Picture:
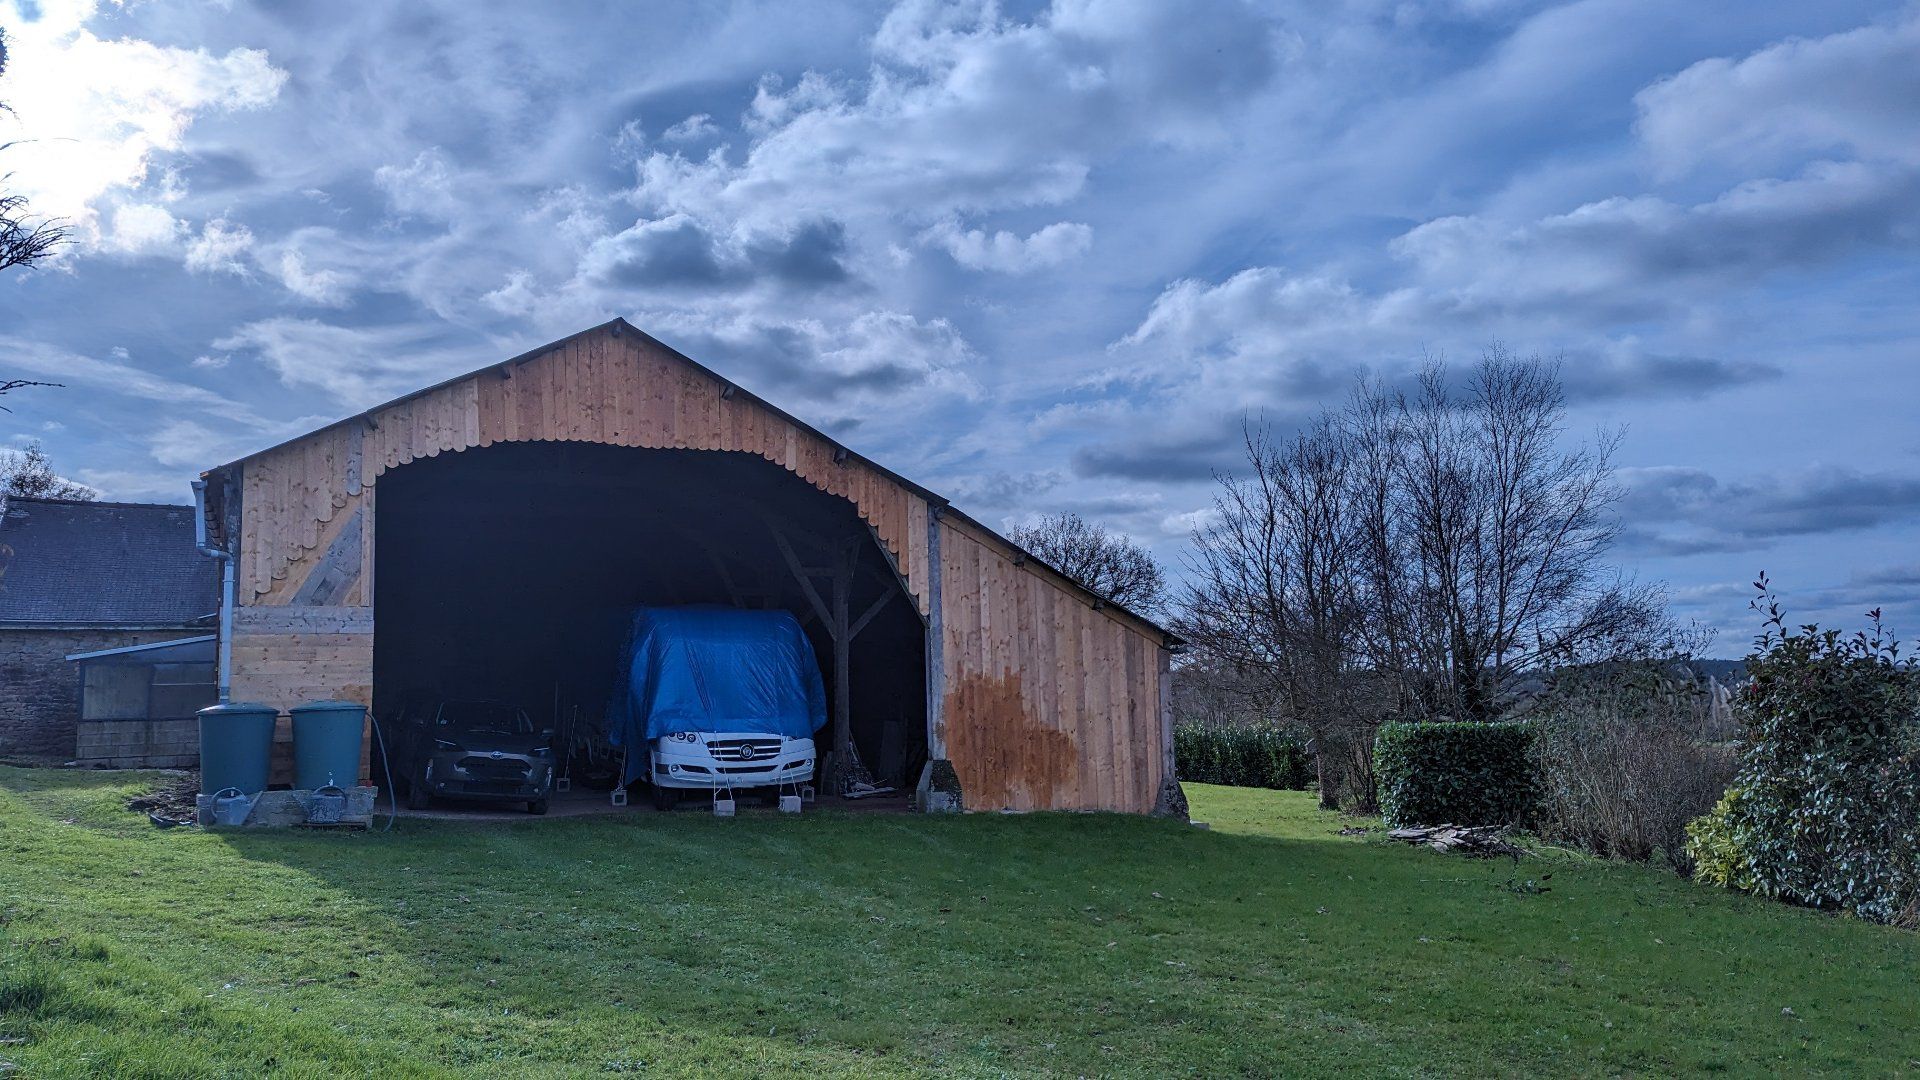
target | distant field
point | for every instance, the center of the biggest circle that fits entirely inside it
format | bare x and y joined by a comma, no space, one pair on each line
872,944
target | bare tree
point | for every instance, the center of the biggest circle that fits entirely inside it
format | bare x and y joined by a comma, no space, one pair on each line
1505,527
1415,554
23,239
1106,562
1274,593
29,473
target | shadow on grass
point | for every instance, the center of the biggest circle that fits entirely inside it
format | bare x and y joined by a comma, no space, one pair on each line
1071,943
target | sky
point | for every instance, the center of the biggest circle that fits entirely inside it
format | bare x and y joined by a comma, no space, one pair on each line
1036,256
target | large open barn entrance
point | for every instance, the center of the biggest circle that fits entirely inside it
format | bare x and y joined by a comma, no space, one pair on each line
511,572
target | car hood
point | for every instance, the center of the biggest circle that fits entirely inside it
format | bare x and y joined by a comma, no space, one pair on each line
485,743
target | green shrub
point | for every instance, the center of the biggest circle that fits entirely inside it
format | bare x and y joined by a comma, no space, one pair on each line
1830,802
1241,757
1456,773
1717,844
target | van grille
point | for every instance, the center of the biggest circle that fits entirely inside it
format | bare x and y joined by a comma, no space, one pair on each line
738,749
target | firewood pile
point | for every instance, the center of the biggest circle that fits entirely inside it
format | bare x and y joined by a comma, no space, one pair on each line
1481,841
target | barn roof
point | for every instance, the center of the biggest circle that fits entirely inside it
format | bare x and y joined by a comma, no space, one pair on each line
72,564
619,326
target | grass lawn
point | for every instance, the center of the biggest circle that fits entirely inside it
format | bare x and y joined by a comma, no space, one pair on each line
873,944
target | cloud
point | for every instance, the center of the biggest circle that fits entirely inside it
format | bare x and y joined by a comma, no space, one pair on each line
325,287
118,377
964,110
1625,373
1677,510
697,128
93,114
1636,257
358,367
1008,252
141,229
877,356
999,490
219,247
1168,458
1854,94
426,186
677,252
318,265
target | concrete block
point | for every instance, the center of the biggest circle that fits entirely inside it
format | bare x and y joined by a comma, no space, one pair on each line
285,809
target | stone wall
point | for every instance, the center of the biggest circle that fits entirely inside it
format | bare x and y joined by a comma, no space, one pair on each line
40,689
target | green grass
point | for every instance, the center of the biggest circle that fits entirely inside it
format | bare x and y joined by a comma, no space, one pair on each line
876,944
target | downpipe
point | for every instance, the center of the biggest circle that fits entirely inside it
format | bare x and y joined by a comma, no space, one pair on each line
226,588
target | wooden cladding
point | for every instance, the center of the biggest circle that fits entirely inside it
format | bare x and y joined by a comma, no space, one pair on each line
284,655
1049,704
314,494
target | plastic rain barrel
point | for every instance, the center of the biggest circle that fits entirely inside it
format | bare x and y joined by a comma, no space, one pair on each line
326,743
236,742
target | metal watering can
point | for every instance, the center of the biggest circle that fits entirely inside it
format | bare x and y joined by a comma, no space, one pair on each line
326,805
230,807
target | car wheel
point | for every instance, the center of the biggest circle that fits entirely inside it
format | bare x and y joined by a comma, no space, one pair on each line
664,797
537,806
418,797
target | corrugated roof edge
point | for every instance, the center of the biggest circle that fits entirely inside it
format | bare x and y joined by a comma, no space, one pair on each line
617,326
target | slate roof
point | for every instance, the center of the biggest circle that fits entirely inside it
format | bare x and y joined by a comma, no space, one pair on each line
101,564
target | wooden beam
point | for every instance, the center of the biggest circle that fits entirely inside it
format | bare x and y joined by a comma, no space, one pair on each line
800,575
867,616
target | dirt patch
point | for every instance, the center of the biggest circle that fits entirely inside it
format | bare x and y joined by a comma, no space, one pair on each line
172,803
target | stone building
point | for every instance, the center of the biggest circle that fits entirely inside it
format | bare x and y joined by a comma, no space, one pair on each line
82,577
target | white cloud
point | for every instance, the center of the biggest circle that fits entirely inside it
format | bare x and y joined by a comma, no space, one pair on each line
356,366
694,128
219,248
1854,94
91,115
967,111
1625,256
426,186
328,288
141,229
1008,252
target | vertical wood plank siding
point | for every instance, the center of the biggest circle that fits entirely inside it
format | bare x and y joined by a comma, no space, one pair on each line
1046,703
1049,703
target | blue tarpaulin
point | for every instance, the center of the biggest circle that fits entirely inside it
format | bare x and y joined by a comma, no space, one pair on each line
714,669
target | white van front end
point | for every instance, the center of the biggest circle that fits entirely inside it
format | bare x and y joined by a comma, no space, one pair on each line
703,761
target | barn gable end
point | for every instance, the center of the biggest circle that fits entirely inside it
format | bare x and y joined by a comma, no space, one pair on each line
1041,696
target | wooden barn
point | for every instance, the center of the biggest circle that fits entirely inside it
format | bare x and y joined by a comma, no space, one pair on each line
493,532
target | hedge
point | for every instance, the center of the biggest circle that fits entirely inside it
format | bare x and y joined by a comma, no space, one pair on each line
1241,757
1456,773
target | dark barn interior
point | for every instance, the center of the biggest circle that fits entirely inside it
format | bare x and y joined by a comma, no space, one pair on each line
510,572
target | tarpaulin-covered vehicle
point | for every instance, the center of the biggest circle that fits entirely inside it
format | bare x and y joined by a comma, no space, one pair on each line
716,698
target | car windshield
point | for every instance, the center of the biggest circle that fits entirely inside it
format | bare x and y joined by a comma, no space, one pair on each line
484,717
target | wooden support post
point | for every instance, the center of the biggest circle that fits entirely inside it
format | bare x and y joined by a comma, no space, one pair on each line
936,644
842,688
836,615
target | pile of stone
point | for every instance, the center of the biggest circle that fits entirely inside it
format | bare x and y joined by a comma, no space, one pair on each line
1484,841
